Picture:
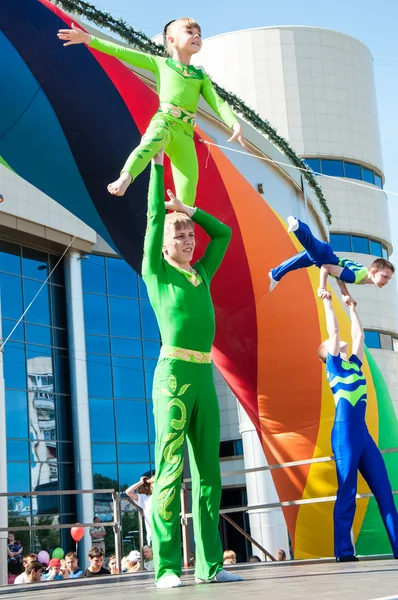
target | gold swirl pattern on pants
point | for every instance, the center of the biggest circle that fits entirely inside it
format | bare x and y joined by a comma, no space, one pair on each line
187,355
173,442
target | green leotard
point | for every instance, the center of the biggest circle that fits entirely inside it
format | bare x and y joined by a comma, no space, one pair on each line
179,87
184,395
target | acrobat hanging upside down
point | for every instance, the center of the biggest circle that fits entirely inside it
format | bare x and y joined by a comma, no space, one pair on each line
179,85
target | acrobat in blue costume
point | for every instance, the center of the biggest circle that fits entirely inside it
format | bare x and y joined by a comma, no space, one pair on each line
353,447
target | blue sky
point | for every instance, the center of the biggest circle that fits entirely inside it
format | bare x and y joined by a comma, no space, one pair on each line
374,23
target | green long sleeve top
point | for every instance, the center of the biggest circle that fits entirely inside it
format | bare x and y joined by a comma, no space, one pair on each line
184,312
176,83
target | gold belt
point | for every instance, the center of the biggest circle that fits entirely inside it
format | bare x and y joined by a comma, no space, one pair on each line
184,354
177,112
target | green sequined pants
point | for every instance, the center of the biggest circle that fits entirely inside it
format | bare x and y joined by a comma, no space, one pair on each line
186,408
177,139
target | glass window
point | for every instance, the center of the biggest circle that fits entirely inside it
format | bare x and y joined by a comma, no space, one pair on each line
150,328
99,376
150,366
17,450
58,276
19,333
19,505
11,296
360,244
16,414
102,424
37,334
14,366
61,371
122,279
332,167
129,474
43,451
314,164
352,170
372,339
10,258
96,314
126,347
238,448
384,252
60,338
128,377
98,344
133,453
58,306
103,453
143,290
151,349
378,181
368,175
34,264
386,341
340,242
124,317
151,422
375,248
93,272
131,422
39,312
105,477
18,477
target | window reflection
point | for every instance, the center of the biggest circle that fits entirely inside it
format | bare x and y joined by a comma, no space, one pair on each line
143,290
102,424
332,167
19,333
341,168
103,453
149,323
360,244
14,366
18,477
129,474
17,450
10,258
16,414
122,279
128,377
342,242
105,476
39,311
11,296
99,375
352,171
34,264
38,334
375,248
93,270
151,349
129,453
131,421
126,347
368,175
96,314
372,339
98,344
124,317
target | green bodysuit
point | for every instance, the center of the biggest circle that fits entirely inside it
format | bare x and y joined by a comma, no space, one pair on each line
179,87
184,395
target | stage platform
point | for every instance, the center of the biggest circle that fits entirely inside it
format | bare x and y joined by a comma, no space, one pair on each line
292,580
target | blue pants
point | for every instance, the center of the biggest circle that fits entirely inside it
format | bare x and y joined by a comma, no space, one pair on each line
355,450
316,253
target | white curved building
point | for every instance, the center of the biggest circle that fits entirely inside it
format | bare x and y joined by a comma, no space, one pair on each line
316,87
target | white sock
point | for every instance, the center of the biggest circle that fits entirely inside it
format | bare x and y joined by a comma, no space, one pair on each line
169,581
293,224
272,282
222,576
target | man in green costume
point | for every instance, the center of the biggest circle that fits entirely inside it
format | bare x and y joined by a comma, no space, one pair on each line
184,395
179,85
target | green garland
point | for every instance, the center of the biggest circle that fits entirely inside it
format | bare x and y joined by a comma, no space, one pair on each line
139,40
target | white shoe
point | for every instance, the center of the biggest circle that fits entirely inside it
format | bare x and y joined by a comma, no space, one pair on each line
222,576
168,581
272,282
293,224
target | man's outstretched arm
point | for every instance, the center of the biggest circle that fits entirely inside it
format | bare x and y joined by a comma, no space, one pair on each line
357,333
332,327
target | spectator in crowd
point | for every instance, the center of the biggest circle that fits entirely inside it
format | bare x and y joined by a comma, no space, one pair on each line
229,557
254,558
141,493
133,562
97,534
124,564
114,569
72,565
148,558
26,561
96,568
14,550
280,555
54,570
33,572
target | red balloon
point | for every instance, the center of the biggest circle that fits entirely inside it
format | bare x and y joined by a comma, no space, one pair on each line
77,533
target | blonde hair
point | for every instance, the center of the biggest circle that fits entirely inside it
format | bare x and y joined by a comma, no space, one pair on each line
173,28
229,557
178,221
322,351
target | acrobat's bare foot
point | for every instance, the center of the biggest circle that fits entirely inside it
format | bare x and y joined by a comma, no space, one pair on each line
119,187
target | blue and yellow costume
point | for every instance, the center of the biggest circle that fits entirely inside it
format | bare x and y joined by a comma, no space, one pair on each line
355,450
318,253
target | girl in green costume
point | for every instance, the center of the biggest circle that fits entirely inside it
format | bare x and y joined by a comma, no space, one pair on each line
184,395
179,86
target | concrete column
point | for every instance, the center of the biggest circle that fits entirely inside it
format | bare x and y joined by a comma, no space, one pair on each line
3,472
79,393
267,526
